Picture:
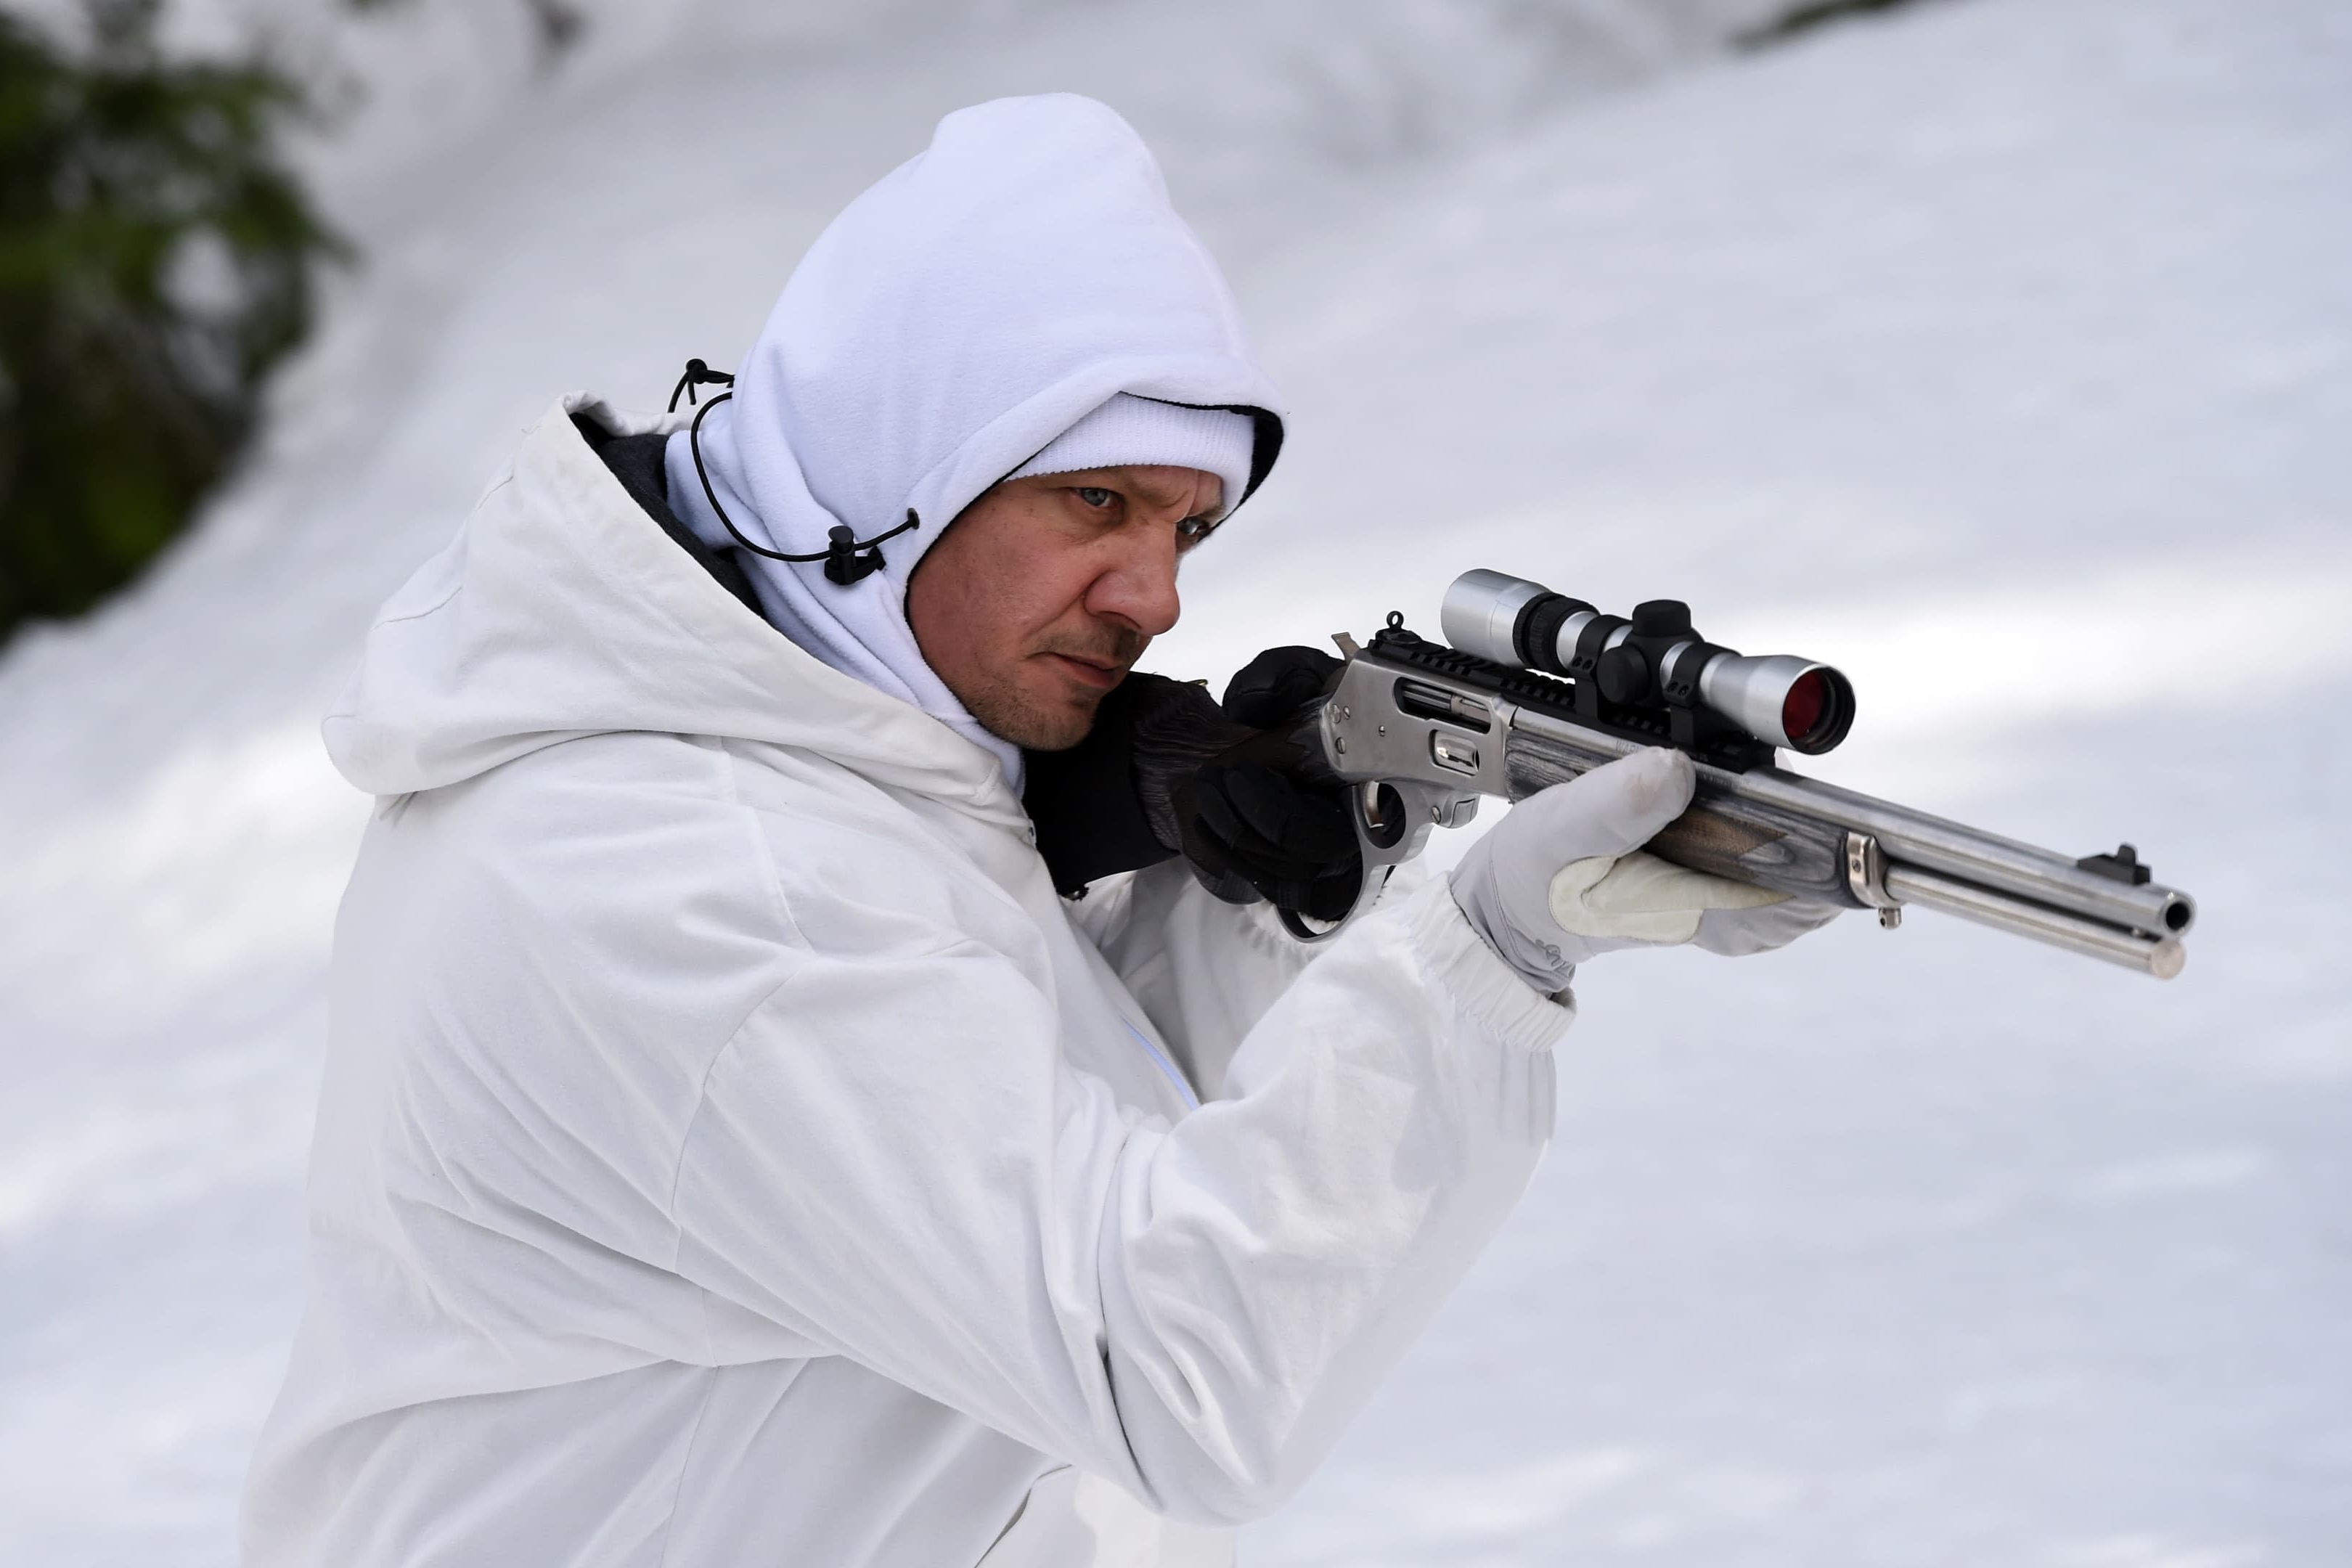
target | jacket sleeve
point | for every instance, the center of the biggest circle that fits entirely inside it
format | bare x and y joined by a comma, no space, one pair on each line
893,1159
1203,970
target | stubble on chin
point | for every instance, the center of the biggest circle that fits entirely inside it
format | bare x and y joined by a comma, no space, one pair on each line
1034,724
1061,714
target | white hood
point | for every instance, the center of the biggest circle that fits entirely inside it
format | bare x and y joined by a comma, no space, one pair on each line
958,317
562,610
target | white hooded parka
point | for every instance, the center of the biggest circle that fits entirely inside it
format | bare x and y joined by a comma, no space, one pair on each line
733,1151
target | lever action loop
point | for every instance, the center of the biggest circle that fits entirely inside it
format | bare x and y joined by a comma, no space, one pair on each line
847,558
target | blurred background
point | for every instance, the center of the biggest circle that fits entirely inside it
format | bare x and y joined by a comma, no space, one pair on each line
1999,351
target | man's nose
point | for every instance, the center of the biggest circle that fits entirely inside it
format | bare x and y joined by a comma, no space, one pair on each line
1140,587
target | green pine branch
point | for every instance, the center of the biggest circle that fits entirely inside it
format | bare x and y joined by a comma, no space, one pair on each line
157,259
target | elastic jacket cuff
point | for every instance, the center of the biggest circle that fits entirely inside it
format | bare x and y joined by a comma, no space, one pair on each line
1488,989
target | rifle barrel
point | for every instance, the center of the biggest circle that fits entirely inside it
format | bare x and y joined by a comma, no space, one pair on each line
2160,956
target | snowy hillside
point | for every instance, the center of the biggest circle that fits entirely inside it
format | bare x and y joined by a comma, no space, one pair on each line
1999,351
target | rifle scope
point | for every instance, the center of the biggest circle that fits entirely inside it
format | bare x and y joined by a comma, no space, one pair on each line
1652,660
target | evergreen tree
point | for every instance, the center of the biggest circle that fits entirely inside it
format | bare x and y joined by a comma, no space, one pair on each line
156,258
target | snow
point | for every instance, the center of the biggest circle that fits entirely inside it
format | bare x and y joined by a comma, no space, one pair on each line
2000,353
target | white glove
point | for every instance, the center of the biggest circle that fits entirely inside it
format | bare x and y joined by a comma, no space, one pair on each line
1562,877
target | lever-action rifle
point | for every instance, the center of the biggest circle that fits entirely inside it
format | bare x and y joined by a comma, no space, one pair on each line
1538,687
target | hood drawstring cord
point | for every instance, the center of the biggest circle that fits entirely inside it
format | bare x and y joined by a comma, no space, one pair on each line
847,558
697,374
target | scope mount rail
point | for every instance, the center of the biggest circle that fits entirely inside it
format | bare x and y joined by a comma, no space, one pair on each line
1421,731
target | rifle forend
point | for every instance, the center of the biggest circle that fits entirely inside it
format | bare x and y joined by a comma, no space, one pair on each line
1420,731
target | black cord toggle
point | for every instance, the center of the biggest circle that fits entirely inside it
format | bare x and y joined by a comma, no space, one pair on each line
698,374
847,558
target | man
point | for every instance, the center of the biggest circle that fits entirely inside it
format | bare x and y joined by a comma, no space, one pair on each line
732,1148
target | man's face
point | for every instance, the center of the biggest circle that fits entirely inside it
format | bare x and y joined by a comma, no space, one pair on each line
1043,591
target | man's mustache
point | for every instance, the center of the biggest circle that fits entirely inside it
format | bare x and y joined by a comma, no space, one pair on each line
1120,646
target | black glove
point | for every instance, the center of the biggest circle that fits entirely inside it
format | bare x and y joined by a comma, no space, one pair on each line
1251,830
1165,771
1265,813
1273,690
1086,802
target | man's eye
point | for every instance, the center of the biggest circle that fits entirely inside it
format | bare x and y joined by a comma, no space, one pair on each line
1096,496
1195,529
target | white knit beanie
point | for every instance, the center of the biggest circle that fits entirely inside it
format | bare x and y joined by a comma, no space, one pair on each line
1131,431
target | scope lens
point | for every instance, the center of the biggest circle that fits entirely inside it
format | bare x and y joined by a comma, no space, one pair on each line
1803,708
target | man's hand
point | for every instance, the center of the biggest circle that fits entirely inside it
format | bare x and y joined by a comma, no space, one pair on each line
1168,771
1272,690
1247,821
1562,877
1254,819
